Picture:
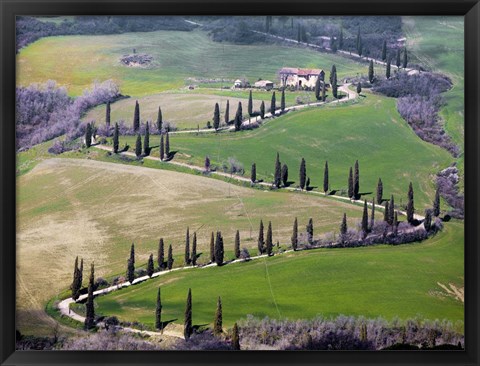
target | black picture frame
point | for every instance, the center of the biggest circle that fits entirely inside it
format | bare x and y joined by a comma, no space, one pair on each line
10,8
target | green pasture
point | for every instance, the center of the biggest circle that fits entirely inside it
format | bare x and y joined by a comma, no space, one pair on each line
380,281
77,61
371,131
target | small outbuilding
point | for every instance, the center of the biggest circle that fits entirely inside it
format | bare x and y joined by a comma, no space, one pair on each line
264,84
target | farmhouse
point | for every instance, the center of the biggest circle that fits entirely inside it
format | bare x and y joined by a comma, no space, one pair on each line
264,84
300,78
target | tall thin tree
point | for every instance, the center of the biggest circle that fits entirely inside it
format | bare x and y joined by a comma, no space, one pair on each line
325,178
187,327
391,210
107,116
161,254
115,139
295,235
146,140
269,241
239,117
365,220
282,101
236,249
343,228
217,323
303,174
212,248
219,249
284,175
162,148
187,247
194,249
261,241
235,338
150,266
136,117
227,112
262,110
278,172
372,217
88,135
159,120
350,184
371,72
410,205
216,117
273,107
250,104
170,258
386,214
90,307
167,146
138,146
398,62
253,176
436,203
158,312
309,229
405,58
379,191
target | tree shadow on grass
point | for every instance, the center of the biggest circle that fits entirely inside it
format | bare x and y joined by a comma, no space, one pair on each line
310,188
165,323
199,327
170,155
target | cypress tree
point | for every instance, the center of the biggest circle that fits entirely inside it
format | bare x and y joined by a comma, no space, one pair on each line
146,140
207,163
170,257
295,235
273,107
88,135
356,181
333,74
74,286
285,175
282,101
317,88
161,254
386,214
107,116
150,267
310,231
90,308
365,219
219,249
269,241
80,275
325,178
130,271
136,117
250,104
363,332
335,86
410,205
217,323
372,217
405,58
307,184
343,228
427,223
350,183
384,50
187,247
387,70
379,191
359,87
237,245
235,338
188,328
216,117
261,241
398,63
132,253
436,203
194,249
278,172
138,146
227,112
371,72
212,248
303,174
158,312
391,210
323,92
167,146
262,110
159,120
238,117
115,138
162,148
253,177
395,223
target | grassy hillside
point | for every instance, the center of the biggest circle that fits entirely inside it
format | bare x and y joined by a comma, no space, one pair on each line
370,131
70,207
385,281
77,61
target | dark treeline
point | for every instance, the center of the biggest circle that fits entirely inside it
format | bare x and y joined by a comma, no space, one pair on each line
29,29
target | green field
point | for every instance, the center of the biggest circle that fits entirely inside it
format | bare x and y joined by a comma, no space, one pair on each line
443,50
94,209
371,131
77,61
384,281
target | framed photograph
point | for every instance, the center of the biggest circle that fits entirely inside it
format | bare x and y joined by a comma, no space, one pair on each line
291,182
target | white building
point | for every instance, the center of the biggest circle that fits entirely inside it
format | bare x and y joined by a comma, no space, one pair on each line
264,84
300,78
